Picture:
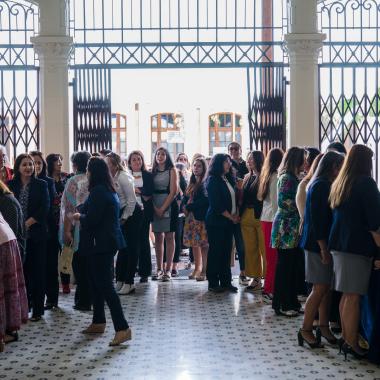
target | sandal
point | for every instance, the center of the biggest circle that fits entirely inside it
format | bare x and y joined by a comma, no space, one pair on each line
330,339
254,286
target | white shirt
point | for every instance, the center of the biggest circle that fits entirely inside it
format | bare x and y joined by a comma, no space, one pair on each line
125,188
233,196
270,203
139,182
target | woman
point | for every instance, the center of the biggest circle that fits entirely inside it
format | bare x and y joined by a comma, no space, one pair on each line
11,210
32,193
183,159
130,219
319,267
165,189
267,192
285,235
6,173
102,237
195,205
143,181
250,211
355,201
221,215
54,171
52,284
74,195
13,300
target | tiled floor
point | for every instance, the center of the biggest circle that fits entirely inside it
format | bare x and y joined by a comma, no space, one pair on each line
180,331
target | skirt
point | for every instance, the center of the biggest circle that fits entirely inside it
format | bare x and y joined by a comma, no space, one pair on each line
254,245
194,233
13,299
351,272
315,271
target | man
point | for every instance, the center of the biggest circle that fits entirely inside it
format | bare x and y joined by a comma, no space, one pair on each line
240,166
240,169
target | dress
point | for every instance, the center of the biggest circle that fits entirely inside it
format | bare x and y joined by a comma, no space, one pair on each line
161,184
13,299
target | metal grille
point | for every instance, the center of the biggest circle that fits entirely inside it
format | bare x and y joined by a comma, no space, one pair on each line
19,78
349,74
267,104
92,109
172,33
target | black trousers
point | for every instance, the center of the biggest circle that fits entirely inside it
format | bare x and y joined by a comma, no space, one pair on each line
302,288
35,274
52,253
219,255
285,287
127,258
179,239
101,279
145,258
80,268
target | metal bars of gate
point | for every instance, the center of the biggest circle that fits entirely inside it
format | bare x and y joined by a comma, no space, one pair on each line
349,74
267,105
92,109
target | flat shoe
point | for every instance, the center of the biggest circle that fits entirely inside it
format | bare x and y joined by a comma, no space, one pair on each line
95,328
121,337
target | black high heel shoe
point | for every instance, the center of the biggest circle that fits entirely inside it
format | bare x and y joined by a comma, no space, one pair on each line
301,340
340,344
347,349
332,341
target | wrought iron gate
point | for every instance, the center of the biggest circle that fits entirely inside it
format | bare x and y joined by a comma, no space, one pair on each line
349,74
92,109
267,108
19,78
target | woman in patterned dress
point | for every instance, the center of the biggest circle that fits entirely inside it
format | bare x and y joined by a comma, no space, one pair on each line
195,205
13,300
285,234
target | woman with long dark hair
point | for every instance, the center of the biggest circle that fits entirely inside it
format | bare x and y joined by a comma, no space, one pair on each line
319,267
143,181
99,218
354,238
131,220
267,192
195,205
250,211
221,215
54,171
285,234
165,189
33,195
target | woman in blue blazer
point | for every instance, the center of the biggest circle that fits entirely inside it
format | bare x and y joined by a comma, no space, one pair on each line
221,215
102,238
32,193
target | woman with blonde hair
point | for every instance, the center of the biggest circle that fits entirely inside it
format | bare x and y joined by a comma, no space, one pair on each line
354,238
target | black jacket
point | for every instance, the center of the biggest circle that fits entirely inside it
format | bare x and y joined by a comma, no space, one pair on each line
219,198
38,206
199,205
147,191
100,228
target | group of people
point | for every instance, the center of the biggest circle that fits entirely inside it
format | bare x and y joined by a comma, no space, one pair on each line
302,223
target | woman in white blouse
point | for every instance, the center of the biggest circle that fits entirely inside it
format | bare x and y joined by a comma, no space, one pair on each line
267,193
131,220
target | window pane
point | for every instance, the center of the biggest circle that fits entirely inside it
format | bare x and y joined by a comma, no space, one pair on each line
114,138
164,121
238,137
154,137
163,136
122,136
154,121
170,120
222,136
228,119
229,136
222,120
113,121
212,136
237,121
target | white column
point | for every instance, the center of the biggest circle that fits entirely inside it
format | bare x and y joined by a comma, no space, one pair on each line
53,46
303,44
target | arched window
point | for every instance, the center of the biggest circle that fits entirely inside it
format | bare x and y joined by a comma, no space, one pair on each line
166,129
119,134
224,127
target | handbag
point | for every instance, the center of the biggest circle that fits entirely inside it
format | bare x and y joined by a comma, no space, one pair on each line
66,259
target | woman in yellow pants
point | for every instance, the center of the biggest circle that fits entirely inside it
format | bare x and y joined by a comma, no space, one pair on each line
251,208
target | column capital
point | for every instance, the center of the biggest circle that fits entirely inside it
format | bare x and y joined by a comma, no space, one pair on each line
53,51
303,48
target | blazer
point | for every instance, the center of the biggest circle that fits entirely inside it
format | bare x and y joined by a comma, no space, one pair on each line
250,198
318,215
52,196
147,191
355,218
219,198
199,204
99,221
38,206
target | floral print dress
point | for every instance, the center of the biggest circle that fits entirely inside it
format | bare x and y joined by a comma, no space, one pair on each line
286,224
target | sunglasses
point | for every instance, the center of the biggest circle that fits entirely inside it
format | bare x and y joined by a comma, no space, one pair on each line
234,148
